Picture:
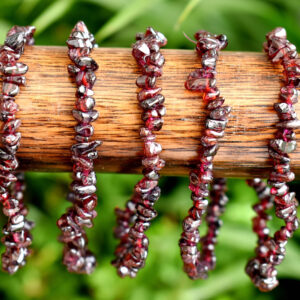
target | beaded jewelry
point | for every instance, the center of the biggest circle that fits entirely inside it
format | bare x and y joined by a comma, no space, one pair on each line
203,80
271,250
76,256
134,220
17,237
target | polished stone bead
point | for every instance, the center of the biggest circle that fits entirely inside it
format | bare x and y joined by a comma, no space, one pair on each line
81,139
152,102
80,34
150,174
207,141
211,151
85,117
85,130
214,133
16,41
16,69
85,148
209,59
152,70
153,162
154,124
10,89
87,78
73,70
287,177
140,51
86,63
146,214
285,111
157,36
218,125
9,106
189,224
282,146
157,59
218,102
292,124
145,81
208,43
220,113
19,80
152,149
11,139
223,41
145,185
289,94
90,203
85,104
154,113
78,43
287,199
84,189
278,32
211,94
4,155
84,91
148,93
294,81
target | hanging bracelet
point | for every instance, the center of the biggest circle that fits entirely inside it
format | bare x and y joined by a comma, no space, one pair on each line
197,264
132,222
17,237
271,250
76,256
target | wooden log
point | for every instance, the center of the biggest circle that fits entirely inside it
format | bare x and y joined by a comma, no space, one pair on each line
248,81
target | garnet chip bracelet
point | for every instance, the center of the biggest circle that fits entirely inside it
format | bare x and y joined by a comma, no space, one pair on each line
197,264
17,237
76,256
134,220
271,250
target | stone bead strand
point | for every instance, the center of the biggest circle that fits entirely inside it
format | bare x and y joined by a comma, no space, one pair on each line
215,209
203,80
17,237
76,256
266,202
134,220
271,252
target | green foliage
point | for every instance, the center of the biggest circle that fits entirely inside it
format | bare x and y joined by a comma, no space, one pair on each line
115,23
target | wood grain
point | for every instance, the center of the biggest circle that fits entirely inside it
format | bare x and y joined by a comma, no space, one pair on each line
248,81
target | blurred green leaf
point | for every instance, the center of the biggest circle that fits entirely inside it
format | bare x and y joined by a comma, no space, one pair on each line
186,12
110,4
51,14
126,15
4,27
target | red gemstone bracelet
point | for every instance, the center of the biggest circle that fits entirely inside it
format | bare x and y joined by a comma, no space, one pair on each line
134,220
197,264
17,237
76,256
271,250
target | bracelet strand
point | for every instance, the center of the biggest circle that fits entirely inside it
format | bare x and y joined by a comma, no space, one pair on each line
131,253
76,256
197,264
271,252
17,237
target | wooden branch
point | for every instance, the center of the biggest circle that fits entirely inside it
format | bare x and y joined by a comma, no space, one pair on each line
248,81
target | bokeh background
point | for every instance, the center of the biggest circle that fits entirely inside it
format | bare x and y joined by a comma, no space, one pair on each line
115,23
